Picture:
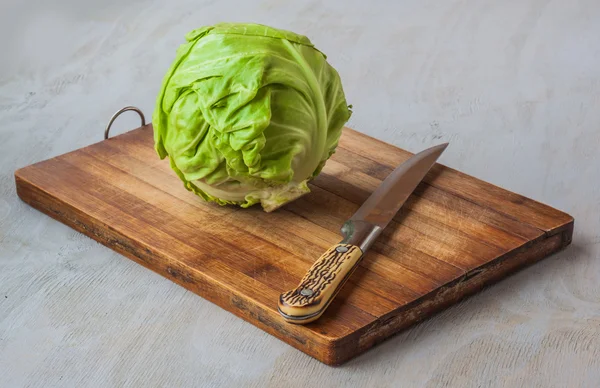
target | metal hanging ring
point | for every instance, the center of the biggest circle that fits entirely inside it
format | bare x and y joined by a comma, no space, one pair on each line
114,117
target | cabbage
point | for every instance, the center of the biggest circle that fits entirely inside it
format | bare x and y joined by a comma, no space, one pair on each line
248,113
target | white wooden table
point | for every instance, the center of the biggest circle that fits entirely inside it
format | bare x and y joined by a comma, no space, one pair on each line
513,85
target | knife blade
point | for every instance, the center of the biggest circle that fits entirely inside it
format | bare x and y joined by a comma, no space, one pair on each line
317,289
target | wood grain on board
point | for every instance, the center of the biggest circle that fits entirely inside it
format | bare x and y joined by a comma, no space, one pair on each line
455,235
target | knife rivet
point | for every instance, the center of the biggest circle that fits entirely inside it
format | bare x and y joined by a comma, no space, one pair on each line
341,249
306,292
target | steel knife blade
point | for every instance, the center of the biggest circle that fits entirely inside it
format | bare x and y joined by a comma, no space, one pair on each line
317,289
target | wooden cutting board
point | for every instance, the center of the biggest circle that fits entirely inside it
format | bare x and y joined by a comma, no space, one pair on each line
455,235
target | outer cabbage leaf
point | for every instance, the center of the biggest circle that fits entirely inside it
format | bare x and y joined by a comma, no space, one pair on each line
248,113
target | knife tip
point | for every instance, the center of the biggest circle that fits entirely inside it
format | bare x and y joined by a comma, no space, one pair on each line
442,146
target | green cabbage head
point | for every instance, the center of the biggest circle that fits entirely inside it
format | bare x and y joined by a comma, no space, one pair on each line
248,113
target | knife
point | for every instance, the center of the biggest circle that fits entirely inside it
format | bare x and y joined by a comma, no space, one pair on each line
325,278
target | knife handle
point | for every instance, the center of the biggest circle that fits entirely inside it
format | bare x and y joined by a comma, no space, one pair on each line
320,285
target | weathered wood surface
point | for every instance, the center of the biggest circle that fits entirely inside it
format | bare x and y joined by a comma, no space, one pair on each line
456,234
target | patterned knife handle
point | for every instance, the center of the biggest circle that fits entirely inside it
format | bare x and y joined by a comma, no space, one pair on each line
320,285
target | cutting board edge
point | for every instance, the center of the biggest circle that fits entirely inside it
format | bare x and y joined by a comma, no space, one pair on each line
438,300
